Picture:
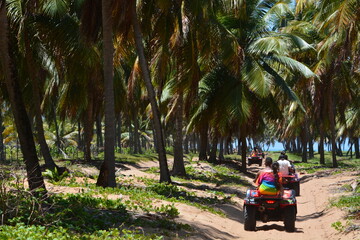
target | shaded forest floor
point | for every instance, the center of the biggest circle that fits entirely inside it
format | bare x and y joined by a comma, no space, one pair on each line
207,204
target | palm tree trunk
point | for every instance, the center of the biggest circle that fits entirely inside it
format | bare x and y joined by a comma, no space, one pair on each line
304,142
243,152
179,167
164,170
99,136
2,146
203,142
311,147
186,144
212,155
27,144
119,132
356,146
321,147
107,171
221,150
137,148
332,125
49,162
57,141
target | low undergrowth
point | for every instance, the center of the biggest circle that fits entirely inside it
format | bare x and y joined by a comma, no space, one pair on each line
351,204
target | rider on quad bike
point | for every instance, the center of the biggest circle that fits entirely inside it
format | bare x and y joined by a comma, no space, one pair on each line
289,177
270,202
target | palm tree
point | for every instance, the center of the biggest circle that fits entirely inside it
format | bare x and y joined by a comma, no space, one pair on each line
107,172
164,170
22,122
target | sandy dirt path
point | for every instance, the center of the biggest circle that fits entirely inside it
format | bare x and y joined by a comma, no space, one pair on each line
314,217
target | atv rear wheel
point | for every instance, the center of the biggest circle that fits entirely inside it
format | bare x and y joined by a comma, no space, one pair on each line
289,218
296,186
249,216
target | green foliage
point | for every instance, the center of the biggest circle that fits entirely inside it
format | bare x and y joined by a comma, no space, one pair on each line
24,232
338,226
54,176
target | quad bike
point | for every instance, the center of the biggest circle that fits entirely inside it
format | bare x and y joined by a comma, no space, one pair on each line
291,181
270,208
255,160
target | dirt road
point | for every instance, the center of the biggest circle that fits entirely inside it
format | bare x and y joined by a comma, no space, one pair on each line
313,221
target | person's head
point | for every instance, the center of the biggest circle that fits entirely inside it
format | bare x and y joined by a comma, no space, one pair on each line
283,153
268,162
255,149
283,157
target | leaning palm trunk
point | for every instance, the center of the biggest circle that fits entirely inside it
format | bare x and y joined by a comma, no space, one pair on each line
22,121
164,170
107,171
40,136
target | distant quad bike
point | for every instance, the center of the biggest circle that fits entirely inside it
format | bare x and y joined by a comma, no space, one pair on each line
255,160
291,182
270,208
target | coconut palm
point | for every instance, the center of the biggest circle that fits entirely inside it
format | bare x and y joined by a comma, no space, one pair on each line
22,121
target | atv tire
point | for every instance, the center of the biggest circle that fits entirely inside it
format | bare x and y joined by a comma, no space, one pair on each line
289,218
296,186
249,217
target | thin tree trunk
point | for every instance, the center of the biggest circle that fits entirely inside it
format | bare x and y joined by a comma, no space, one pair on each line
107,171
99,142
88,132
311,147
119,132
179,167
212,155
305,141
186,144
22,121
221,150
243,152
58,141
203,142
356,146
321,147
2,146
164,170
332,125
49,162
80,141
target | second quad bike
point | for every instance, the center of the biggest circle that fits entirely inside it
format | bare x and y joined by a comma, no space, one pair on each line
270,208
255,160
291,181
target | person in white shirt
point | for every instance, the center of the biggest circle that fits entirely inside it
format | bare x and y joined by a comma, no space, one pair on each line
284,165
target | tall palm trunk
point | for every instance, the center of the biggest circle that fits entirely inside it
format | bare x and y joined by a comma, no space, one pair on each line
99,136
332,125
243,153
40,136
119,132
2,146
321,147
212,155
22,121
355,141
107,171
203,142
164,170
179,167
221,150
